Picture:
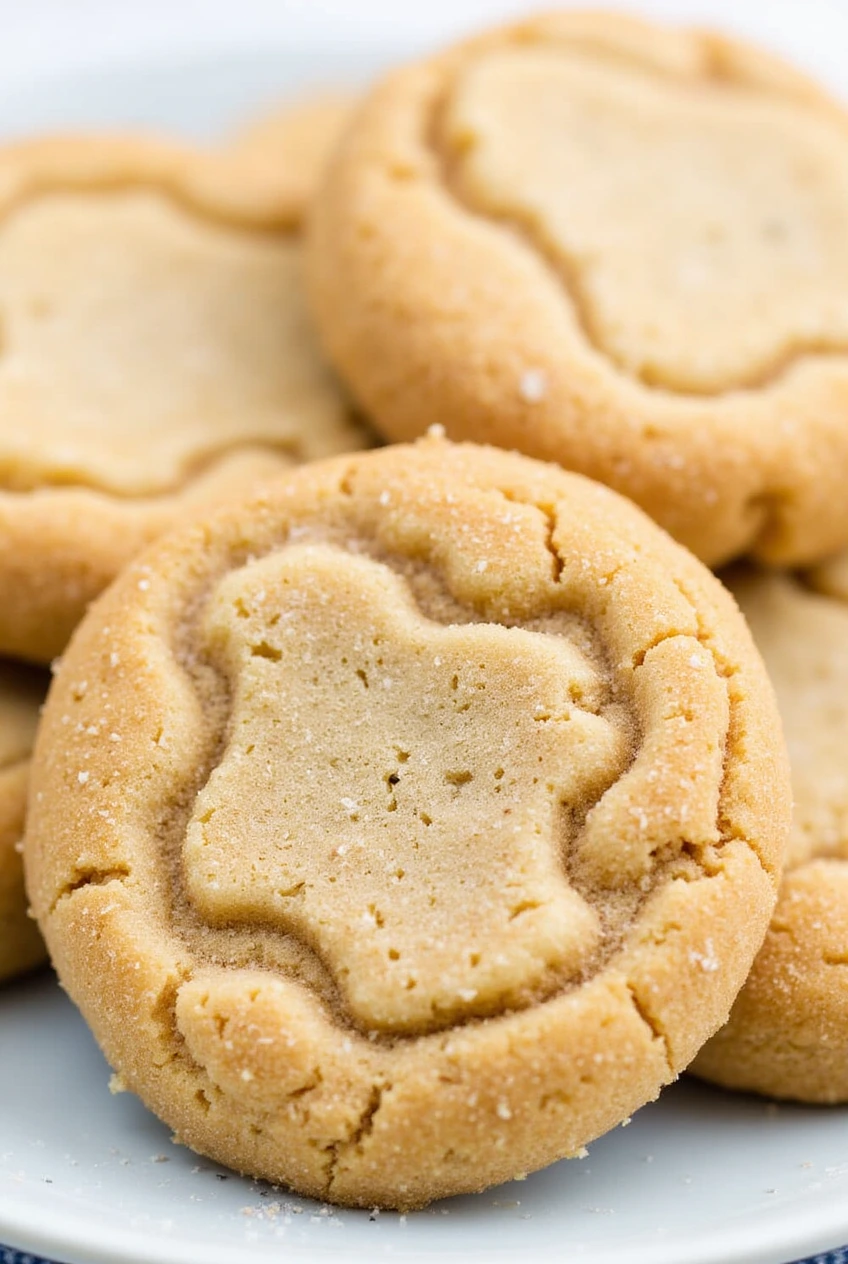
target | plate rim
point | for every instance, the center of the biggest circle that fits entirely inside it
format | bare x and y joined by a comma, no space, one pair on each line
793,1237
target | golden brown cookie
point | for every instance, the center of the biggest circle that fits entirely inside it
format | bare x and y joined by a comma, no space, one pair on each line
788,1031
21,693
156,356
409,827
618,246
294,140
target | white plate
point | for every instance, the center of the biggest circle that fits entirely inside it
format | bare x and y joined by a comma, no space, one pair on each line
698,1178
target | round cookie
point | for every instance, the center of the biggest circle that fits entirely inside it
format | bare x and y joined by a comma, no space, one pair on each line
409,827
614,245
21,694
156,356
788,1030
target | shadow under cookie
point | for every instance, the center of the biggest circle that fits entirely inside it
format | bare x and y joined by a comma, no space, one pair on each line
22,692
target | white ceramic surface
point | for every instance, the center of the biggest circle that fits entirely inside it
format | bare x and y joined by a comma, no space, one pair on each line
698,1178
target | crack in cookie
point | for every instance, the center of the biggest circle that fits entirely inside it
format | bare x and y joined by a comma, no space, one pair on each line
361,733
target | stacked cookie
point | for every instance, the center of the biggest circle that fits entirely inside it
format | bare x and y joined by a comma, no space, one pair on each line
788,1031
404,826
156,358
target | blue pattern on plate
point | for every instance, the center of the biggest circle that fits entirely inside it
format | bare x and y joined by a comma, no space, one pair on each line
838,1256
9,1256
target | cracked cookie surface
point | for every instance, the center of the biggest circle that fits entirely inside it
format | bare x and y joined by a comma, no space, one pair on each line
408,827
469,261
155,355
788,1030
22,691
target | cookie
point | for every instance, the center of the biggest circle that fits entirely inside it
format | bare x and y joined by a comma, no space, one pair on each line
614,245
21,693
156,356
409,827
788,1030
294,140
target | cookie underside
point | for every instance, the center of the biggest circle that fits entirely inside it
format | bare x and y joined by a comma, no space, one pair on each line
21,695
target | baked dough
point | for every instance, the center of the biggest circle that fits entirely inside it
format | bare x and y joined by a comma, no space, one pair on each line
21,693
615,245
788,1031
406,829
155,356
294,141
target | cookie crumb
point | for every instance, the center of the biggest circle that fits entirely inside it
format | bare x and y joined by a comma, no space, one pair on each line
533,386
707,960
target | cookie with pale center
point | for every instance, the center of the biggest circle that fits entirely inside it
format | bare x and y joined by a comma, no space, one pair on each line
614,245
406,828
21,693
155,357
788,1030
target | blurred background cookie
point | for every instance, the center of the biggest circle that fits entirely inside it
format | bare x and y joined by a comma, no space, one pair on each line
156,356
22,691
788,1031
615,245
412,825
291,144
